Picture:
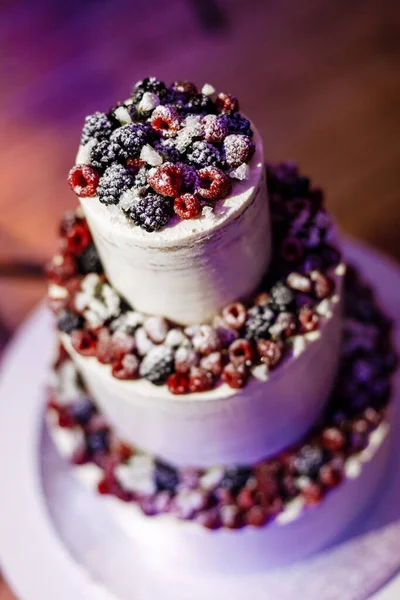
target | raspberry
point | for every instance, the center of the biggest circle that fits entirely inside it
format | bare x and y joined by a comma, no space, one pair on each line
203,154
215,128
122,343
150,84
104,351
256,516
156,328
178,383
330,476
135,164
237,124
238,149
127,367
152,212
333,439
165,120
270,352
241,352
89,261
78,237
83,180
292,249
312,494
206,340
84,342
166,179
190,178
235,376
113,183
67,321
165,477
259,321
104,154
61,268
187,206
213,363
323,285
308,319
200,380
213,184
200,103
130,140
186,88
282,297
157,365
235,315
284,326
227,103
185,359
96,126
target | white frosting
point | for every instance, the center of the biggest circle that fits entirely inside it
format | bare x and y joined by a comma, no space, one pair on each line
192,268
297,532
223,425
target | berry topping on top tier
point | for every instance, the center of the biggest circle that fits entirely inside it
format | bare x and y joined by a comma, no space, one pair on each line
175,129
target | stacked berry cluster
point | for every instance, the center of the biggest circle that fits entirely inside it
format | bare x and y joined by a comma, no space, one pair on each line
165,151
244,340
237,496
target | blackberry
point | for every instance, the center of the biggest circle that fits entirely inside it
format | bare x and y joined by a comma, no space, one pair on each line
97,441
199,103
282,297
113,183
141,178
150,84
97,126
203,154
308,461
89,261
235,478
67,321
129,139
165,477
157,365
104,154
168,150
237,124
299,188
152,212
259,320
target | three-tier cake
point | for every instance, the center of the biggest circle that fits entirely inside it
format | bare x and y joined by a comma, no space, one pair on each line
220,378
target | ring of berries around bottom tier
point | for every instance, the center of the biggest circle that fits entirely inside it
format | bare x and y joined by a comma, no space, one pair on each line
238,496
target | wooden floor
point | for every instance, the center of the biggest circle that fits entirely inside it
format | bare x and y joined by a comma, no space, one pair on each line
320,79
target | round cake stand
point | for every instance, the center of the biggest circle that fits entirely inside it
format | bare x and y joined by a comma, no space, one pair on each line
58,541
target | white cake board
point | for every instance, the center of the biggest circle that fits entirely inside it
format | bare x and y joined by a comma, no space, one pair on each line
57,541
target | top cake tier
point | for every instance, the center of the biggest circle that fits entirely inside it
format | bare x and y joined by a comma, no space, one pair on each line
173,189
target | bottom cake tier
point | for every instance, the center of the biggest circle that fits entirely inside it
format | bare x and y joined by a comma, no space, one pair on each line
264,515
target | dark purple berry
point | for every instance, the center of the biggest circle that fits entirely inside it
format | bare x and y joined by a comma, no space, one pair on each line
68,321
165,477
152,212
113,183
97,126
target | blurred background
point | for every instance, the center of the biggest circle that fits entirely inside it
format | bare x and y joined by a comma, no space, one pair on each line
320,78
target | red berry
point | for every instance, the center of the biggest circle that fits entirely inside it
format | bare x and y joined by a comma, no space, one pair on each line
226,102
245,498
241,352
256,516
165,119
84,342
215,129
187,206
61,268
238,149
178,383
235,376
184,87
333,439
308,318
121,344
105,486
135,164
200,380
78,237
323,286
291,249
270,352
262,299
329,476
312,494
127,367
83,180
213,184
166,179
235,315
206,340
104,347
212,363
